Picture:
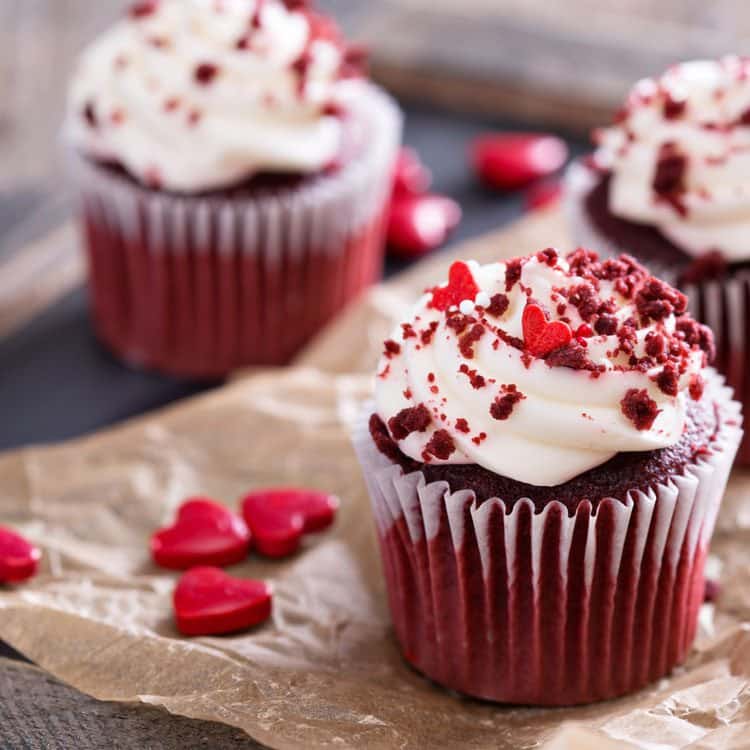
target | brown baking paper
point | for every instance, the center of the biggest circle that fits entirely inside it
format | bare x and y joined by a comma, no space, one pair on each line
325,673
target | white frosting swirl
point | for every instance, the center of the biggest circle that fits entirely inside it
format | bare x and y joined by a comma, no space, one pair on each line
569,420
699,107
140,97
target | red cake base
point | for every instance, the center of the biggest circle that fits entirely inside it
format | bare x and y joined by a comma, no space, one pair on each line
199,312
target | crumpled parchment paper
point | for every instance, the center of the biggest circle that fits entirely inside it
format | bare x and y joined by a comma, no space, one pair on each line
326,671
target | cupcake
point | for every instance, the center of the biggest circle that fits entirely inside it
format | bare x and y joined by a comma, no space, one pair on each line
546,456
234,171
670,183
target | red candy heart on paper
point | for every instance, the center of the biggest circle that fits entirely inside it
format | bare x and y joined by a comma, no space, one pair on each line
208,601
278,518
410,176
19,559
204,533
461,286
540,335
513,160
420,223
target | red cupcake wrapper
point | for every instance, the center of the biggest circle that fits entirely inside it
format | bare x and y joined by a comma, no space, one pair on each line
723,304
199,286
545,608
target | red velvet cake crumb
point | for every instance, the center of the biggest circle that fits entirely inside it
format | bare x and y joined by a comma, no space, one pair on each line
459,322
548,256
572,355
639,408
696,334
658,300
606,325
205,73
503,406
440,446
669,178
413,419
391,349
696,386
499,303
668,379
466,344
477,381
512,273
89,114
462,425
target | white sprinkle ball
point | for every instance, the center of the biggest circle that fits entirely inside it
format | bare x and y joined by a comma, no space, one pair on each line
466,307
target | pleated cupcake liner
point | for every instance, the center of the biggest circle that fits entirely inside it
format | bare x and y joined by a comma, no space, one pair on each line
722,304
502,603
198,286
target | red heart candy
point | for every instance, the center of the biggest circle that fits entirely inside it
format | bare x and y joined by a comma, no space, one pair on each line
208,601
410,176
204,533
540,335
513,160
19,559
461,286
279,517
420,223
542,194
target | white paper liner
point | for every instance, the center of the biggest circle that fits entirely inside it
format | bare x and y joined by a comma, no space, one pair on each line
483,606
200,285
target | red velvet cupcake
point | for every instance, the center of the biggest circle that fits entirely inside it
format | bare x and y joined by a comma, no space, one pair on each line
234,172
670,183
546,457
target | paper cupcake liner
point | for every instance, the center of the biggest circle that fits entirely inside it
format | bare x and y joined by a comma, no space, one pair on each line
722,304
547,608
198,286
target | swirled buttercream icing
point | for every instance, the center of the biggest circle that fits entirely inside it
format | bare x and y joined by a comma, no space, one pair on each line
195,95
679,156
542,367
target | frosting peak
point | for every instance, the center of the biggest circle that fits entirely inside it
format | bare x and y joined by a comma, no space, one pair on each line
194,95
679,154
542,367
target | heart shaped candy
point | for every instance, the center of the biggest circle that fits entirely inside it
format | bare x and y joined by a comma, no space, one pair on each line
279,517
512,160
461,286
540,335
19,559
204,533
420,223
208,601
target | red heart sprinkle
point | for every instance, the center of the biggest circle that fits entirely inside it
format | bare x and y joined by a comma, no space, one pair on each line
204,533
542,194
513,160
19,559
461,286
279,517
410,176
208,601
540,335
420,223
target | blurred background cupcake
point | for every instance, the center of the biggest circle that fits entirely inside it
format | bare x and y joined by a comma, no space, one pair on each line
546,457
234,170
669,182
